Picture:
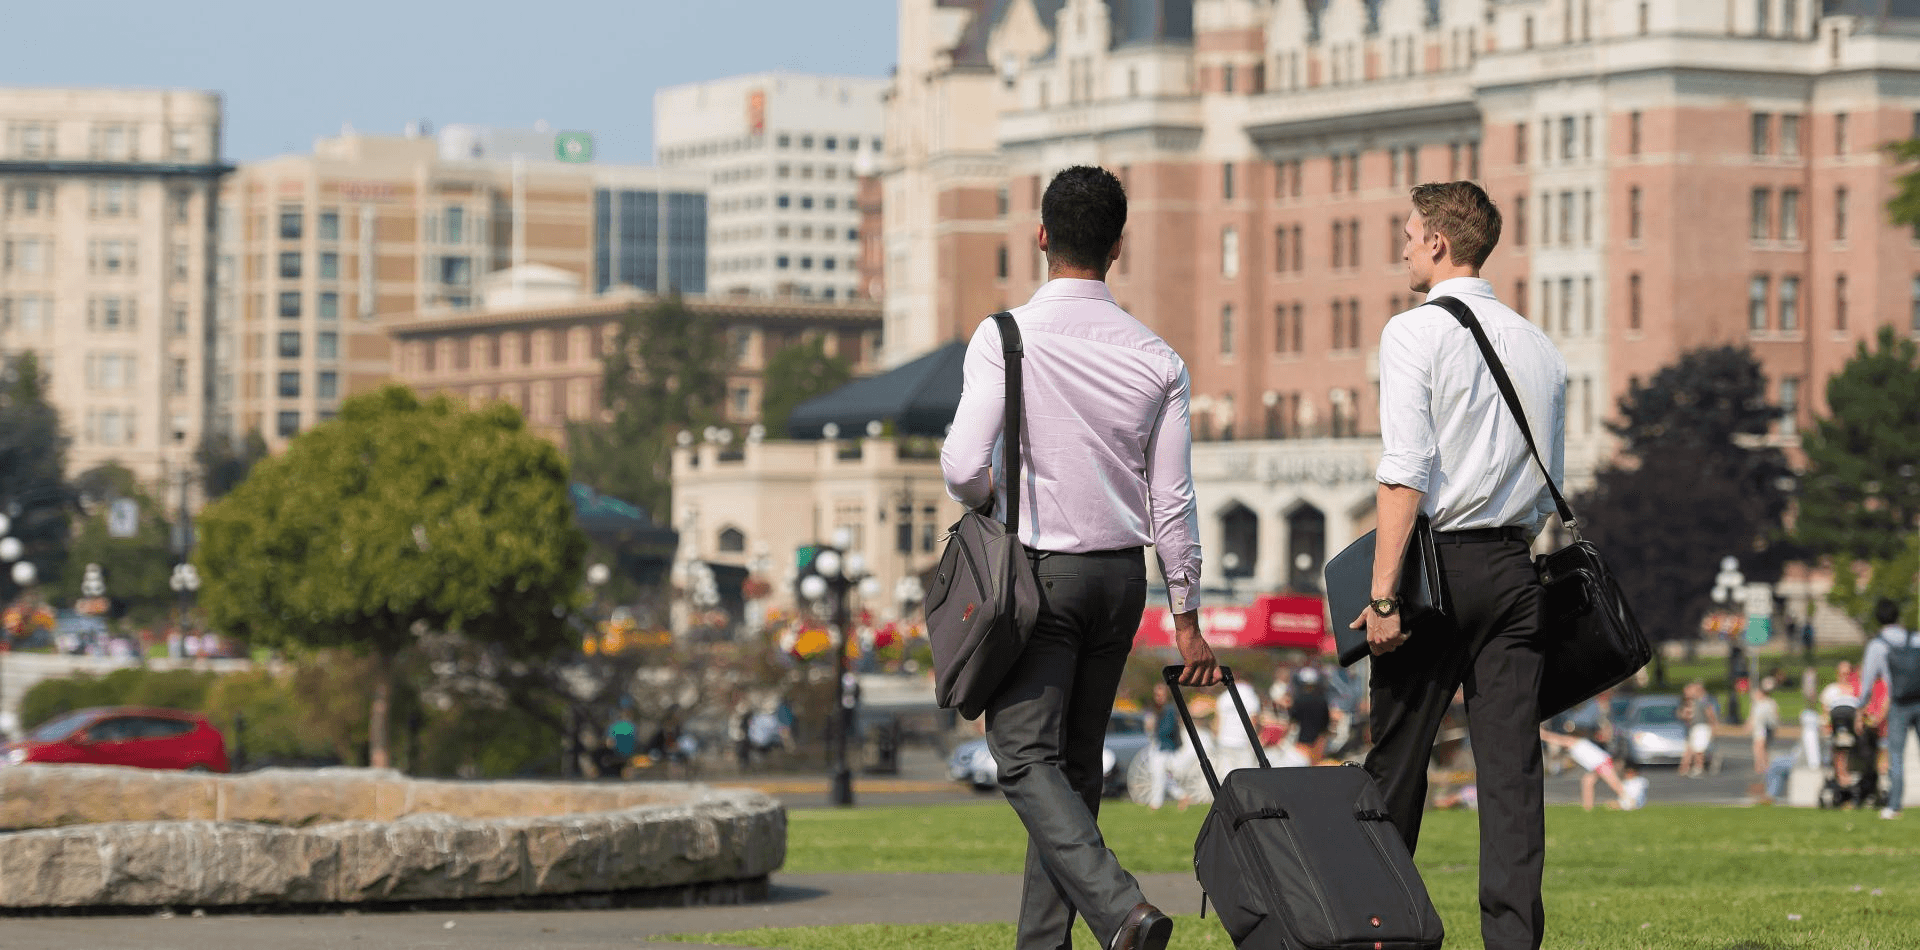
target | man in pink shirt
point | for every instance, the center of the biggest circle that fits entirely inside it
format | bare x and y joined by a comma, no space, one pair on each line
1106,470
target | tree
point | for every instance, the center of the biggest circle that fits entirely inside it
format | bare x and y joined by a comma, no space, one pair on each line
1904,207
665,373
1687,491
137,569
33,459
399,517
1862,485
795,375
225,462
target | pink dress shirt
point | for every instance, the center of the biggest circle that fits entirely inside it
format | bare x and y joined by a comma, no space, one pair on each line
1108,453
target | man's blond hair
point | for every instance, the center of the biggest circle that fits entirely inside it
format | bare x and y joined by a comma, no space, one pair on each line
1462,212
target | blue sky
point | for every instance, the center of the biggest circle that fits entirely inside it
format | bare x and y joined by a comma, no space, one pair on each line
291,72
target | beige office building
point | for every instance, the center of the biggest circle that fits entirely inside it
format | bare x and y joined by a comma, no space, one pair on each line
105,240
783,154
319,251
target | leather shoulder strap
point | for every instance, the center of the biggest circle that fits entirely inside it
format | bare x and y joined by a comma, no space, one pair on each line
1465,315
1013,350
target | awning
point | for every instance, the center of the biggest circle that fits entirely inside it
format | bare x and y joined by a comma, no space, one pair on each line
1271,621
918,398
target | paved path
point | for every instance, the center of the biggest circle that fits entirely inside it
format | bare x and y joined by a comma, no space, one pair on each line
799,900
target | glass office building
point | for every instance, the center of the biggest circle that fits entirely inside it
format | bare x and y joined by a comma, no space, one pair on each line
628,246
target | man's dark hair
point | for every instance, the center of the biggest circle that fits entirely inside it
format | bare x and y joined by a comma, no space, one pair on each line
1084,211
1886,612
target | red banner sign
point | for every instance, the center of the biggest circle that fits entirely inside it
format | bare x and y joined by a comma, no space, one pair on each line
1276,621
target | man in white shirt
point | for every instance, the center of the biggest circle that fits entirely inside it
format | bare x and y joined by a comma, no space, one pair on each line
1453,452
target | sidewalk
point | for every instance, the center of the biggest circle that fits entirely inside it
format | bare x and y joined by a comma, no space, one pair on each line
798,900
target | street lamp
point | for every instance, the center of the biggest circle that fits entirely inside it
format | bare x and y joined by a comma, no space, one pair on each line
24,574
1232,564
1728,585
185,582
835,575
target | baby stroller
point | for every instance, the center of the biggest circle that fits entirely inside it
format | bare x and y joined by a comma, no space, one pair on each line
1862,749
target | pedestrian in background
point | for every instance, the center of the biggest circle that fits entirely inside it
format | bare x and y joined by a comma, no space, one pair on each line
1841,701
1108,470
1166,745
1701,716
1452,451
1763,720
1894,656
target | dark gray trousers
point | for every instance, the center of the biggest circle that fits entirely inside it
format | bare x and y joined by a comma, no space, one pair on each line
1046,727
1491,645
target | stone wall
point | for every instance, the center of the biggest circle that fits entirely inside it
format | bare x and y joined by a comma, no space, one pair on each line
128,837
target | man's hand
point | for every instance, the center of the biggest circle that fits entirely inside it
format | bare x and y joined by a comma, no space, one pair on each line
1202,669
1383,633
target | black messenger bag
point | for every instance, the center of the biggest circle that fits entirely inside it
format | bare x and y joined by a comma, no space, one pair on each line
1304,858
983,602
1593,642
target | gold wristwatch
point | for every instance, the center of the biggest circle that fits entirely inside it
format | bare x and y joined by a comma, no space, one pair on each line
1386,606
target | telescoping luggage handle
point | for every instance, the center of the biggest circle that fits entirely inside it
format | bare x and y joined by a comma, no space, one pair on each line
1172,674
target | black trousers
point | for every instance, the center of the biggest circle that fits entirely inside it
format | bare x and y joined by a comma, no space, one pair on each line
1491,644
1046,727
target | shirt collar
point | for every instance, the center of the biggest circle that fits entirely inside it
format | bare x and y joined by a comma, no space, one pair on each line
1074,287
1475,286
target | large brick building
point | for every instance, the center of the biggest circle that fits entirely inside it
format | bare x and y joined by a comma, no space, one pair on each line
1674,174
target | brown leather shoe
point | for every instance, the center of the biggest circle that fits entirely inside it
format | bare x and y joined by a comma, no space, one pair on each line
1145,928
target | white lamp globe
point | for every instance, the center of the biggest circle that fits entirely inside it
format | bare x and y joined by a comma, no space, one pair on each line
813,587
24,574
870,587
11,549
842,538
598,574
856,564
827,563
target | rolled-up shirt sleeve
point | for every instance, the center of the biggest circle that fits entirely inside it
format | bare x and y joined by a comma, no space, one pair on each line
1409,443
1170,496
967,458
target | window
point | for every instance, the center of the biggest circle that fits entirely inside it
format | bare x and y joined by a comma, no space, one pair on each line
456,271
1413,167
1789,304
1566,306
1566,218
1789,405
1586,217
1586,305
1226,331
806,262
1230,253
1280,328
806,141
1761,227
1339,244
1913,319
1790,214
179,319
1520,297
1299,328
1840,133
1633,133
1762,133
287,424
1473,161
1840,214
326,345
1226,181
289,385
1760,18
1280,249
1227,78
329,265
290,303
1339,324
328,226
1840,304
1634,303
1519,143
1520,220
1757,304
1333,163
327,385
1299,249
1396,238
1567,143
1633,214
1353,242
290,264
1000,202
289,344
806,202
1586,136
782,201
1000,262
329,305
455,223
1790,136
290,222
1453,161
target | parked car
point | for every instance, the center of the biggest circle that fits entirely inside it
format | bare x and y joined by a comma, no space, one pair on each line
971,762
138,736
1648,731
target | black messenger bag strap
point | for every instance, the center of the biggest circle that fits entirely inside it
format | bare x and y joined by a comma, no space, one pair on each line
1012,350
1465,315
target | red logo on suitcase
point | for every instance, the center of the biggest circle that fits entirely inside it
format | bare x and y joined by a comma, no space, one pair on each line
967,614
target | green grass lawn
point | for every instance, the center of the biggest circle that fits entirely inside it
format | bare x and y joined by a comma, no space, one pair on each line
1687,877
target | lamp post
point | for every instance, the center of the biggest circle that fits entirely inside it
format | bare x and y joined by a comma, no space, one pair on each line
24,574
1232,564
185,583
1728,585
834,575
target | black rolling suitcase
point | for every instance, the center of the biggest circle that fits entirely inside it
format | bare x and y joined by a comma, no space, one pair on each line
1304,858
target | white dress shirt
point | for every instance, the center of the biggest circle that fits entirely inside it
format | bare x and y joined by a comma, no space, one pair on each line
1108,447
1445,428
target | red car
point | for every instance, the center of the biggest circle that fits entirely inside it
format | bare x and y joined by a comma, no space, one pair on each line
139,736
